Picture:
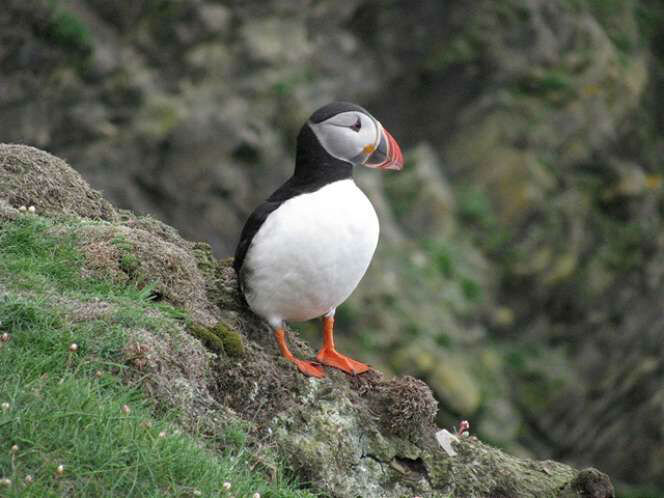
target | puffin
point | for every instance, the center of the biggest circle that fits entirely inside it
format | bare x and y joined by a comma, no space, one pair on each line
303,251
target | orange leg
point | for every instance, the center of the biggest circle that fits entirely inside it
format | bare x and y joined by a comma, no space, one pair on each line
306,367
328,355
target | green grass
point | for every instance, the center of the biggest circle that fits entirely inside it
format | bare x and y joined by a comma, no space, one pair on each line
68,408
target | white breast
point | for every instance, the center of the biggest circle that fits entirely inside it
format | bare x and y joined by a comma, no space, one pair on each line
311,253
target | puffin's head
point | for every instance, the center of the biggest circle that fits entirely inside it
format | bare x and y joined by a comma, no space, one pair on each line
349,133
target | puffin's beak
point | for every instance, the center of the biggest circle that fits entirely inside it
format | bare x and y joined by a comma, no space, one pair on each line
387,154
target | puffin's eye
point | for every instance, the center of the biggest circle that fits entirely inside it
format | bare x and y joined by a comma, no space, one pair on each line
357,126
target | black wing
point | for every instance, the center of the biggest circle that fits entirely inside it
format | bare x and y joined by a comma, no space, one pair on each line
250,229
289,189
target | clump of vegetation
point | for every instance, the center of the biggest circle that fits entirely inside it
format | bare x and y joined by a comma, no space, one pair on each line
409,405
128,261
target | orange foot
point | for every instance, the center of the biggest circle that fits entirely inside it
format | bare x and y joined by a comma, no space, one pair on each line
306,367
328,355
332,358
309,368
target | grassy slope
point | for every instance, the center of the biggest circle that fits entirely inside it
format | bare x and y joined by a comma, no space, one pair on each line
69,408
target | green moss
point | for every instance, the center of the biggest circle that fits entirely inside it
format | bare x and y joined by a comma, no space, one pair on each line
207,337
219,338
232,340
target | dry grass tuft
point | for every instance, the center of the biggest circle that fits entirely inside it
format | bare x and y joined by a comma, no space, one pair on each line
408,405
133,255
31,177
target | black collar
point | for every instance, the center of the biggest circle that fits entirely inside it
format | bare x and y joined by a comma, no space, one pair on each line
314,166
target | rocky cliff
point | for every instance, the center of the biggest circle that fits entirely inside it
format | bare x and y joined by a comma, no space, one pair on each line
369,436
519,268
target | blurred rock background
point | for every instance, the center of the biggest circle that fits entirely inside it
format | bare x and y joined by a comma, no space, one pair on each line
521,264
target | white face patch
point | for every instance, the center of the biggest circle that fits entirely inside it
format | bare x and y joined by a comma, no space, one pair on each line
350,136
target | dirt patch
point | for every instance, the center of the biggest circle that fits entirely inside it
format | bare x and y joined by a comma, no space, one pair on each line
32,177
